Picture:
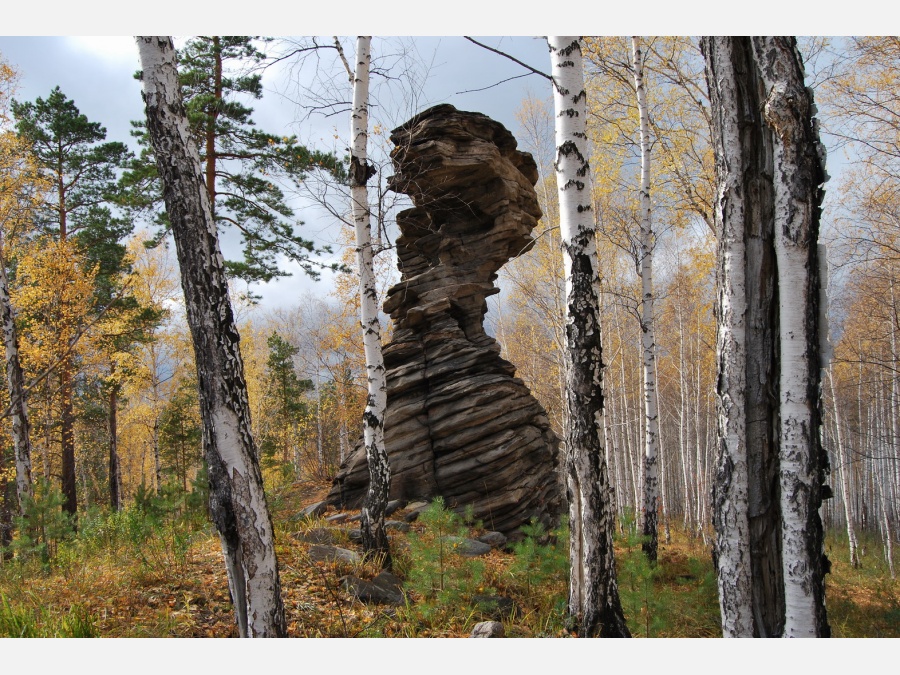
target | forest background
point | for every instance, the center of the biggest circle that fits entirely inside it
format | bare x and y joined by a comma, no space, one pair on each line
688,255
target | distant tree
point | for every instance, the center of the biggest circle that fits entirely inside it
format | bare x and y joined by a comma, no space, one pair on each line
21,190
180,432
236,496
287,390
71,153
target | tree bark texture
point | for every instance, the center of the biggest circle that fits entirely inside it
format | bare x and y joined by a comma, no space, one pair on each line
770,465
237,501
594,605
15,379
799,177
650,506
374,538
115,477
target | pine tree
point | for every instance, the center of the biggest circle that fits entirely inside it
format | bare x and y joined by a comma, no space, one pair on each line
287,390
70,152
245,169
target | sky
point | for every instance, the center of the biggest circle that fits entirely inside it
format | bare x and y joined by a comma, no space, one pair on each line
96,72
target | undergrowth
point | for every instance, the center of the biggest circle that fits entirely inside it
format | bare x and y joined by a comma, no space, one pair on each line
155,569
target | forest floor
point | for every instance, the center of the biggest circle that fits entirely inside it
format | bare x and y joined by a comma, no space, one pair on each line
121,581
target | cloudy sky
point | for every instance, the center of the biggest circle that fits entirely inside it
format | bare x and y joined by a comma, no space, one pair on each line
97,72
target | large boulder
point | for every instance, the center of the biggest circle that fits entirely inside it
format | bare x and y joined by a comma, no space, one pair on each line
459,423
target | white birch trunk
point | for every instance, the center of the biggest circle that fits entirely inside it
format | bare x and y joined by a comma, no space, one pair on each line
594,606
731,494
650,505
798,176
848,514
237,500
17,402
375,540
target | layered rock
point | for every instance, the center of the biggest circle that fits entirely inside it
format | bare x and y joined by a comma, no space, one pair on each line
459,423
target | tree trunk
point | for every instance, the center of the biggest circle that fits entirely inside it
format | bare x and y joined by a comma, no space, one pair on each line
594,606
731,491
650,505
771,465
374,539
17,403
67,424
115,478
848,513
798,179
237,500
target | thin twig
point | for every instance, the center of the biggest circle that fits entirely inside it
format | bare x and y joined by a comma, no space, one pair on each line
511,58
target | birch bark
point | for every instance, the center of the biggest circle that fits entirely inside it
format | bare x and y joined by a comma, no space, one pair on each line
731,491
770,464
375,540
237,501
16,381
594,606
838,438
650,504
798,179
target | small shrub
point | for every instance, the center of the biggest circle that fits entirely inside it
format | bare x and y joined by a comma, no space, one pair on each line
441,578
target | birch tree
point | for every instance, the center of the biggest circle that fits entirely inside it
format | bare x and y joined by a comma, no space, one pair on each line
770,472
18,183
237,501
375,540
648,340
594,605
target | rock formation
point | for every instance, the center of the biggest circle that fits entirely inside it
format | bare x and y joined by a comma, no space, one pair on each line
459,423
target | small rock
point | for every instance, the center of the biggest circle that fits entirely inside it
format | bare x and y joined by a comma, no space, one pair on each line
314,510
398,525
392,506
320,553
337,518
470,548
316,535
493,539
384,589
488,629
414,510
355,535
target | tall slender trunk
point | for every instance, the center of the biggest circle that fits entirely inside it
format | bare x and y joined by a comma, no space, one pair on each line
21,427
594,606
237,500
650,504
374,539
212,114
67,417
115,478
67,424
845,493
320,443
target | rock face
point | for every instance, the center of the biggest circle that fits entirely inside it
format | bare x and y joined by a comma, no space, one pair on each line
459,423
